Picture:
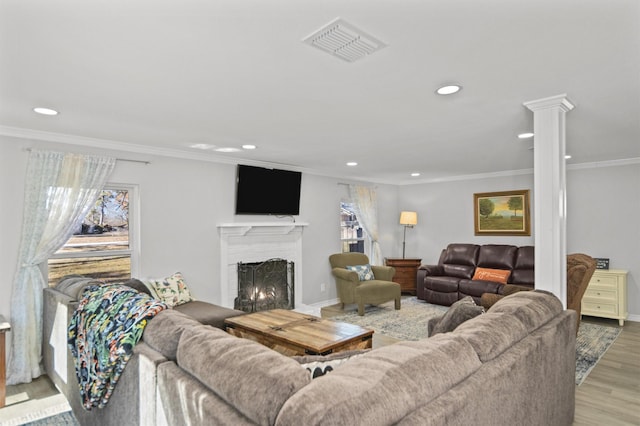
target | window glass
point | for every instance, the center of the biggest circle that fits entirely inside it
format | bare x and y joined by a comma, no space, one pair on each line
352,235
100,247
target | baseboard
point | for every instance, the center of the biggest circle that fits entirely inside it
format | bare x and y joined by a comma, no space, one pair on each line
634,318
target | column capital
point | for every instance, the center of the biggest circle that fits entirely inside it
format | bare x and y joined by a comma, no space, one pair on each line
561,101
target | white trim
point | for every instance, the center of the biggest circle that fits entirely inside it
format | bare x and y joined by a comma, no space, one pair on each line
39,135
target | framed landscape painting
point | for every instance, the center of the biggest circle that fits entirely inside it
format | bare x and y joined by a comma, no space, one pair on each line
502,213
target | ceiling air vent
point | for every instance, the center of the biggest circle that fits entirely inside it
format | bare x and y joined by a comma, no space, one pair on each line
343,40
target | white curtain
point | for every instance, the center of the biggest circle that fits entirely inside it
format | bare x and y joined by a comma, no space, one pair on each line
365,201
59,191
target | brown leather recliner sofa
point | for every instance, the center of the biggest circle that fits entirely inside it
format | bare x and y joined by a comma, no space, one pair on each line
451,279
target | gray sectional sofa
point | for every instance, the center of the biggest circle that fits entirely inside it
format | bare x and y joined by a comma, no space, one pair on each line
514,364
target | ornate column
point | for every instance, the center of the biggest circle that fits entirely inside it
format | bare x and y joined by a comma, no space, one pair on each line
550,219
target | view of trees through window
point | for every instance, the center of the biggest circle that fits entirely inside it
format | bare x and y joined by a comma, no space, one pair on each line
100,247
351,233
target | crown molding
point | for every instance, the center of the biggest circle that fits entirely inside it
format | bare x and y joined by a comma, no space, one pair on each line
39,135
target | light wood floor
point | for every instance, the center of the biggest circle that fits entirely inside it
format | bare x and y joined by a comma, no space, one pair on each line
609,396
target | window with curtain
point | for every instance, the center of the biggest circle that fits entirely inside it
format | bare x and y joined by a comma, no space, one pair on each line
353,238
102,245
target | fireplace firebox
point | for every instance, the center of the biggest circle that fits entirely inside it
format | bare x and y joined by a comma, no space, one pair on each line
265,285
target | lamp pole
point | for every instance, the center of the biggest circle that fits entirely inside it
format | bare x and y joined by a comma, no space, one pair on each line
404,238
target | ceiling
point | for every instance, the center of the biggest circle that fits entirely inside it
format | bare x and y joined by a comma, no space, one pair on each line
159,76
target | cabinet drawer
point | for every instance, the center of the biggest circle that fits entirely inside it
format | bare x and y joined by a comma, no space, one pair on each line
596,294
603,281
599,308
405,274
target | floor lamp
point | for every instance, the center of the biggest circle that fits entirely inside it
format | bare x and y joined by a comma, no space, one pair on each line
408,220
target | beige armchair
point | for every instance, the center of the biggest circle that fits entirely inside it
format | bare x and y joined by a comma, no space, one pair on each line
352,290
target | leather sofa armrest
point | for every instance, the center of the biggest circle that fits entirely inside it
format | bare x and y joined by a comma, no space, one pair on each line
432,270
383,273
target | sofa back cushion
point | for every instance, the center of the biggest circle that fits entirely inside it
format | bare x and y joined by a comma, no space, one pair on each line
460,260
497,256
163,332
252,378
384,385
523,270
510,320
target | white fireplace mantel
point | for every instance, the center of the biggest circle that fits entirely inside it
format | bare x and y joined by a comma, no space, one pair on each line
256,242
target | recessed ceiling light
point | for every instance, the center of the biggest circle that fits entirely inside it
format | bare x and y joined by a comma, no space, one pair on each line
248,146
202,146
45,111
525,135
352,164
415,174
449,89
227,149
566,157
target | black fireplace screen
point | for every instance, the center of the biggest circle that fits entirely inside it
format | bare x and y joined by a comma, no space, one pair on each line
265,285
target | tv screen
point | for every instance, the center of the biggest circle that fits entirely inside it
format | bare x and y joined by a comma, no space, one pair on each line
267,191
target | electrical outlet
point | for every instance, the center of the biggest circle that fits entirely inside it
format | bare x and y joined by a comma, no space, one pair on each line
323,287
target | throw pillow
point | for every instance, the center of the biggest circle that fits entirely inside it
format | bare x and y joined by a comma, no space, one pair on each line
364,272
464,309
319,365
496,275
172,290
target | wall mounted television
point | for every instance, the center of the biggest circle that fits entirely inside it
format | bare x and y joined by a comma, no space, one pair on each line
261,190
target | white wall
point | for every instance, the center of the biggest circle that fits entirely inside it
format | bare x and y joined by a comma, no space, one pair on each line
181,202
603,219
445,214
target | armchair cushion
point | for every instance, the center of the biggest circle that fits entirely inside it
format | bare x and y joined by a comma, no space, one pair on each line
364,271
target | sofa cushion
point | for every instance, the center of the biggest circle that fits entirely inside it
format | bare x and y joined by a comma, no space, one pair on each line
139,286
207,313
459,260
385,384
172,290
497,256
442,283
497,275
523,271
247,375
461,311
163,332
364,271
74,285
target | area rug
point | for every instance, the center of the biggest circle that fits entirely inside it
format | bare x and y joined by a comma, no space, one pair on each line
62,419
410,323
592,343
21,410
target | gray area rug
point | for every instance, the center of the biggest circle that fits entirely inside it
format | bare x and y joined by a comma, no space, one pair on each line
410,323
62,419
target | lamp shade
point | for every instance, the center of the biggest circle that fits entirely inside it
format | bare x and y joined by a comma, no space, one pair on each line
408,218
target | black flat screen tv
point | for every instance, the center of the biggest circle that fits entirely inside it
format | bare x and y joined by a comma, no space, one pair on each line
261,190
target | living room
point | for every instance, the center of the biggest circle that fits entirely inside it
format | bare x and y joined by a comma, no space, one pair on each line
182,195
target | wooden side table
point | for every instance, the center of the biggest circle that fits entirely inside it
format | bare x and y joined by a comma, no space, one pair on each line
406,273
4,327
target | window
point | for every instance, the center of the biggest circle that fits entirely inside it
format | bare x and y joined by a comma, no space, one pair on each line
102,247
352,235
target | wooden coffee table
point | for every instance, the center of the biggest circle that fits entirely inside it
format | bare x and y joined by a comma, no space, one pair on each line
293,333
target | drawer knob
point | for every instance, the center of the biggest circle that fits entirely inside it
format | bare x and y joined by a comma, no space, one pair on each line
598,293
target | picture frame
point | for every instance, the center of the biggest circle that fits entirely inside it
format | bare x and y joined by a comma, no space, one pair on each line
502,213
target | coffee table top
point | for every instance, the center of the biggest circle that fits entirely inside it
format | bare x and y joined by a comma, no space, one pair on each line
316,334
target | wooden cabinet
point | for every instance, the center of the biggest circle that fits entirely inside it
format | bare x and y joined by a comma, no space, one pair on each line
606,295
406,273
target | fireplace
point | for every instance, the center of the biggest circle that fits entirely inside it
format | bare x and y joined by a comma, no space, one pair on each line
253,242
265,285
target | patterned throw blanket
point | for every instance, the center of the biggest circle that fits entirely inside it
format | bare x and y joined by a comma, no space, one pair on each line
104,329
